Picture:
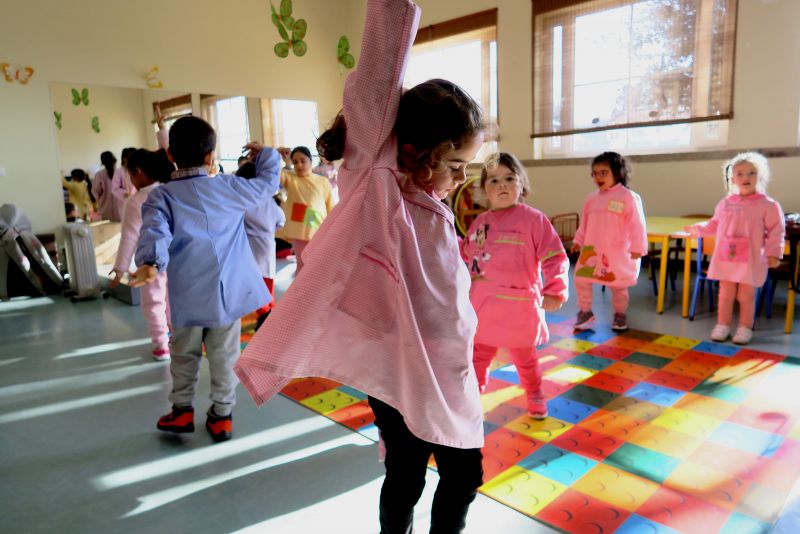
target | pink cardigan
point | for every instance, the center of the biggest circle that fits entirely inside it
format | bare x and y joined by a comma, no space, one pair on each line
612,226
756,223
382,303
507,251
131,225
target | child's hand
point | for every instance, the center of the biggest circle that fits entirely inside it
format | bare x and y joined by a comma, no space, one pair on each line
635,255
692,231
144,275
575,248
773,262
551,303
117,278
253,148
286,154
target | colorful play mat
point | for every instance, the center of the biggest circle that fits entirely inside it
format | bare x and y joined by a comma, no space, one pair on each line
646,433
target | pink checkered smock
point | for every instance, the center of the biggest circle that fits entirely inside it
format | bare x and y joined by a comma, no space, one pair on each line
382,303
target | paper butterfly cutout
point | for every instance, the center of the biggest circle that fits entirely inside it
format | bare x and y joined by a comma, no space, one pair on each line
20,74
286,23
96,124
152,79
342,53
58,119
82,97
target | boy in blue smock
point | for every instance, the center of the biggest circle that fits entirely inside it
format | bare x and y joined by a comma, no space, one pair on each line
192,228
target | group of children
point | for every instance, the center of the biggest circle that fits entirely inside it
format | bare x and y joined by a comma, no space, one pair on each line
102,197
388,300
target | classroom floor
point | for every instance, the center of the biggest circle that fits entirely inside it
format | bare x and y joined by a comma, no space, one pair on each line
79,397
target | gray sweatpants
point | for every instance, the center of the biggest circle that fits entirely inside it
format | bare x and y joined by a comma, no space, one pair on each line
222,350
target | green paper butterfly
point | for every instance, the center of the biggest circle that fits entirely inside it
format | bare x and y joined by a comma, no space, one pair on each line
96,124
342,53
83,96
58,119
285,24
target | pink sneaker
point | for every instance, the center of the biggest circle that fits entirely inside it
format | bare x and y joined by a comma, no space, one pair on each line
161,355
537,407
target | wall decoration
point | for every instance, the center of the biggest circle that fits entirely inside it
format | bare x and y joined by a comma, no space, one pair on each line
19,74
96,124
80,97
152,79
285,24
58,119
343,54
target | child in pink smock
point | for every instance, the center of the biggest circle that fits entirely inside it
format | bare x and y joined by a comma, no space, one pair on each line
121,186
611,238
748,227
383,278
507,249
147,169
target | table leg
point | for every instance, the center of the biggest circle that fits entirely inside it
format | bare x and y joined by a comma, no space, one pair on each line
662,274
790,298
687,275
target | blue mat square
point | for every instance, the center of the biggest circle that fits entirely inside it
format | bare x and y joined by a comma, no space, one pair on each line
507,373
716,348
557,464
637,524
569,410
663,396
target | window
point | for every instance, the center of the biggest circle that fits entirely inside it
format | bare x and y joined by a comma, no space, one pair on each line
228,116
639,76
290,123
464,51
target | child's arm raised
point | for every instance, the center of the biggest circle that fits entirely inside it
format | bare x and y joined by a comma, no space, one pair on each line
267,179
372,92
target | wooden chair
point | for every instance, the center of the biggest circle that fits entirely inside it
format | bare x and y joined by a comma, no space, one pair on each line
566,225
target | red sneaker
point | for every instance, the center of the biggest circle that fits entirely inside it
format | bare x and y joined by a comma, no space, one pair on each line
179,420
219,426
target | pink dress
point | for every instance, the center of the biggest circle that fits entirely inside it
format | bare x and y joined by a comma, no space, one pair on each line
108,205
383,301
506,252
747,231
612,227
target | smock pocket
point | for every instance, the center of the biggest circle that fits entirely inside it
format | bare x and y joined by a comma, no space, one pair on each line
734,249
370,293
508,317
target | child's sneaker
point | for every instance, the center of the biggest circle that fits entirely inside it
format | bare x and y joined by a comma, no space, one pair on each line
720,332
583,320
179,420
620,323
537,407
743,335
161,355
219,426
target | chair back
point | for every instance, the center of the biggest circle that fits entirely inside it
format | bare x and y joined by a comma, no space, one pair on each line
566,225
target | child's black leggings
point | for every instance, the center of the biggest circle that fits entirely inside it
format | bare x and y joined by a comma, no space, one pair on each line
460,476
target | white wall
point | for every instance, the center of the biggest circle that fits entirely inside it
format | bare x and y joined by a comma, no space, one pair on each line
121,124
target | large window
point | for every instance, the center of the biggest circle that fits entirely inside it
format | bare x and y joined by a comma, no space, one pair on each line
639,76
290,123
464,51
228,116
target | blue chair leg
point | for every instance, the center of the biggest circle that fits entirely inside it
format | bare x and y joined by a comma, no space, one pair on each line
710,295
698,285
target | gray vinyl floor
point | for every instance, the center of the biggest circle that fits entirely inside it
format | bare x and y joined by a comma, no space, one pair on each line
79,452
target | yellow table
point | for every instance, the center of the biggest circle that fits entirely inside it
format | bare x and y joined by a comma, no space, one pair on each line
661,230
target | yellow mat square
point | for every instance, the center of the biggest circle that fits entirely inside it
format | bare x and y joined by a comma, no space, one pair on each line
576,345
329,401
693,424
523,490
545,430
666,441
616,487
569,373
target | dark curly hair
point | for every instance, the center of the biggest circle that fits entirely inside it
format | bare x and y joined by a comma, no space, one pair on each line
618,165
433,119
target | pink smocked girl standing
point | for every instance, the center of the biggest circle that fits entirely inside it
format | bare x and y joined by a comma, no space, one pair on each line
611,239
749,229
507,249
